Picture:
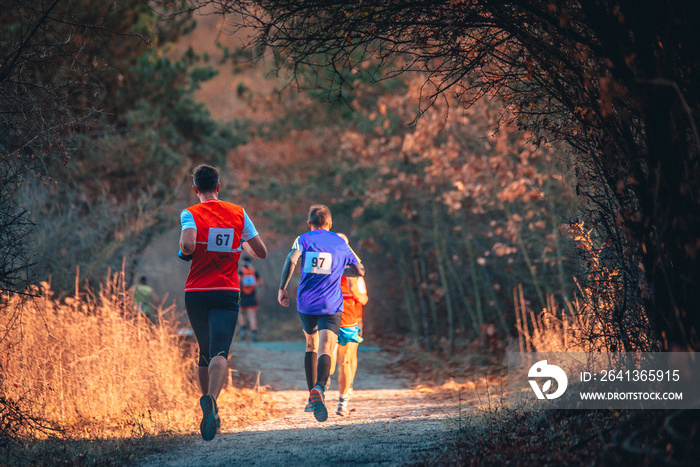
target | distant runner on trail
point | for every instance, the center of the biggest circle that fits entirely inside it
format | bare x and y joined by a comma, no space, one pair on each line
250,281
143,297
350,335
324,256
213,234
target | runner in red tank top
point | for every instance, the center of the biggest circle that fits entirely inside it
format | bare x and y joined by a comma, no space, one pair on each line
213,235
247,316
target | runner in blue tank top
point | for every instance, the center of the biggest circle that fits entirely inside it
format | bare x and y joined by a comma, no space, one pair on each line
324,257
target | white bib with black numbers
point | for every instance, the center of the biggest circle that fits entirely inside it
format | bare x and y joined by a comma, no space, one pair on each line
220,240
318,262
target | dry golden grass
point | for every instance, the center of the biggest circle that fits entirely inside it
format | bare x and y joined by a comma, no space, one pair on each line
93,367
583,325
552,330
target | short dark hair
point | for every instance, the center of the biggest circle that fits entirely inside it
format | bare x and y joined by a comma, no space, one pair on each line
320,216
143,279
206,178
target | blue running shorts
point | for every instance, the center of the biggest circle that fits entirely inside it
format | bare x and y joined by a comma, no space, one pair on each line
350,334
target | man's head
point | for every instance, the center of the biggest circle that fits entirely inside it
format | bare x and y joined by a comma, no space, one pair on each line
143,280
206,179
320,217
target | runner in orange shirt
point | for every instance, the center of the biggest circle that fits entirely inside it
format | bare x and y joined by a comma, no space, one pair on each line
350,335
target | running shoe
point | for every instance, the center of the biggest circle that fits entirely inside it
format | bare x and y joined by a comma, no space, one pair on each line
309,406
320,411
209,423
342,408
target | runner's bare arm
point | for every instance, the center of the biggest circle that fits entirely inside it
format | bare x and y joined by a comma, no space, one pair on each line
255,247
188,241
358,287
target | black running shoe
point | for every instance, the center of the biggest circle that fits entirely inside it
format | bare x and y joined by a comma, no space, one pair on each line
209,424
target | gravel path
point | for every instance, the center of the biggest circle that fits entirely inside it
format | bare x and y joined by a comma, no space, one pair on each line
389,424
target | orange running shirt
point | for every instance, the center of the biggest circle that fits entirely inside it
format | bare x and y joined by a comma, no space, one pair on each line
354,297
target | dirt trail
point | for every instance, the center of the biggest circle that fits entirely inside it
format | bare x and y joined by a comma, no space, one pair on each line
389,424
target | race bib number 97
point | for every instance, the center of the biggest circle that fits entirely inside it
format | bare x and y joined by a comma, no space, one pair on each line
220,240
318,262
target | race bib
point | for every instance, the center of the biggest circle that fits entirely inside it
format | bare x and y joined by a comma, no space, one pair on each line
318,262
248,281
220,240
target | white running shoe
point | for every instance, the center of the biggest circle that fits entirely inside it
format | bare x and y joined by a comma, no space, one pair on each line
342,407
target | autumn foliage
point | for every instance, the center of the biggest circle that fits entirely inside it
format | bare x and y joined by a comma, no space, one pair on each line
450,214
613,79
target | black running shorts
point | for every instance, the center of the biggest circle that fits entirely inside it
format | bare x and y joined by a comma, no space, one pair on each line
313,323
213,315
249,300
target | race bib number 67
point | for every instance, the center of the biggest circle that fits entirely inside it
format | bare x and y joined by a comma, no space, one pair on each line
220,240
318,262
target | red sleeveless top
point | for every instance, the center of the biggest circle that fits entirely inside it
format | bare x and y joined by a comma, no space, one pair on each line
215,259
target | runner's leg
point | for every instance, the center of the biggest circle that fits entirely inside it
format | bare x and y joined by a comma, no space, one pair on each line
252,318
326,342
352,351
334,358
199,320
310,358
241,317
242,322
253,321
203,378
328,326
344,379
222,325
344,372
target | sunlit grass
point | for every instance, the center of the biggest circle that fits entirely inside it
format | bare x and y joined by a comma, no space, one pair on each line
89,367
